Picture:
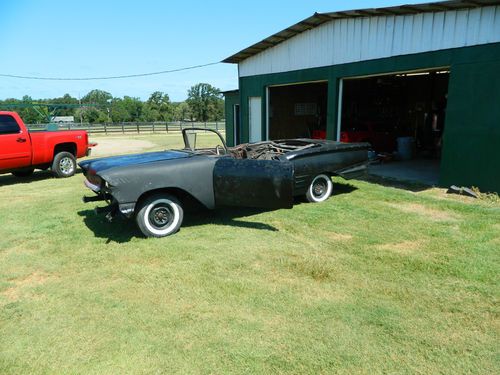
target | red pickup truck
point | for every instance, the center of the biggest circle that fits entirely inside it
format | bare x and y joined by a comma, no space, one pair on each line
21,151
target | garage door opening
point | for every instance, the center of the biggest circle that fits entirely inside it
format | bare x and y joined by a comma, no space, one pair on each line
402,117
298,111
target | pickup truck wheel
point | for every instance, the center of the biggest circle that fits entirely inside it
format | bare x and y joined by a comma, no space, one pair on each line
160,215
64,164
320,189
23,173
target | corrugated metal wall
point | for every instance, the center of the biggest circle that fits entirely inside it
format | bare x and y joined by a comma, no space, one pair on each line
358,39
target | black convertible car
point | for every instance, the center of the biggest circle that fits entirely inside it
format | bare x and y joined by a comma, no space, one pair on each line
155,186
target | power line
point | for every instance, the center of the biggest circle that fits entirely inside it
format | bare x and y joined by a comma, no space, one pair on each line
109,77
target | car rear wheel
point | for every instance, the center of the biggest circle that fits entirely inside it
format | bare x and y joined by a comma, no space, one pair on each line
160,215
64,164
320,189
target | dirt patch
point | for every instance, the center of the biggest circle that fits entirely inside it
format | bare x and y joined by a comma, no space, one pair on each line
495,241
404,248
116,146
338,236
333,236
311,266
429,213
442,194
14,292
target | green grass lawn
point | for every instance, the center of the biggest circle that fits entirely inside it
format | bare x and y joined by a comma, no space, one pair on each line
375,280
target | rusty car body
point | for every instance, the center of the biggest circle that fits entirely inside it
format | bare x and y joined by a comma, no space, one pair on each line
154,187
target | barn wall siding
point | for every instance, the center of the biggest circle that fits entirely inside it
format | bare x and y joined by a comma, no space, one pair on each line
471,146
368,38
230,99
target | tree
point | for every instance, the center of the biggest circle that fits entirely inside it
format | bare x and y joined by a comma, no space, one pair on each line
101,101
159,107
182,112
91,115
205,102
158,98
150,114
66,99
99,97
29,114
118,111
134,107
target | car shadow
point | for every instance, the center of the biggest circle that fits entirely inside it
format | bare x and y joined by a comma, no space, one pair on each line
339,188
119,230
122,230
227,217
342,188
9,179
412,186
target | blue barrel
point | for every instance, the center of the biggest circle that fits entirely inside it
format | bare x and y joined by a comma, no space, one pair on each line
406,147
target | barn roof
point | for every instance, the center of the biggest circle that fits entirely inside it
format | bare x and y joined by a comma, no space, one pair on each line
319,18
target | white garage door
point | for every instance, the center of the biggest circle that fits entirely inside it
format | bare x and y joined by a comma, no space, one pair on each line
255,118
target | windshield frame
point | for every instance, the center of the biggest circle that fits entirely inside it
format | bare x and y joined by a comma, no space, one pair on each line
187,145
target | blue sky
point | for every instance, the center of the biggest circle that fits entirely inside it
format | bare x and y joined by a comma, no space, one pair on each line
91,38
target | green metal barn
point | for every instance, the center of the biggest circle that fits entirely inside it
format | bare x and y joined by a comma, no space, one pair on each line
428,73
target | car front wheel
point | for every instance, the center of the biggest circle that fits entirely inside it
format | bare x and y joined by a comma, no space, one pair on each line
160,215
320,189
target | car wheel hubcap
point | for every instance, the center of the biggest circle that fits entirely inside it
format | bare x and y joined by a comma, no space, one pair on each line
319,189
161,216
66,165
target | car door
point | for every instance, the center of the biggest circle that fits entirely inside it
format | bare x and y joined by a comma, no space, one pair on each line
15,146
253,183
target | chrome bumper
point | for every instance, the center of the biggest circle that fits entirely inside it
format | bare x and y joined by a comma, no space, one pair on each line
91,186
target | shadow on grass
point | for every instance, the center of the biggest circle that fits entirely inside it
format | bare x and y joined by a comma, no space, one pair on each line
339,188
227,217
342,188
395,183
9,179
122,230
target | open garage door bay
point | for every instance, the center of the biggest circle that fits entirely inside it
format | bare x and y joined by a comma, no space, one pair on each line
298,111
402,115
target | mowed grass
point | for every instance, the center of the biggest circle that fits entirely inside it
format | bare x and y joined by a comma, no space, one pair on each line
375,280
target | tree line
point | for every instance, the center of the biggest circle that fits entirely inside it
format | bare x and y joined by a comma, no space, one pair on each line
204,103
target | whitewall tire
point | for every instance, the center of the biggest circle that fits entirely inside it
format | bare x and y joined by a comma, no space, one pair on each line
320,189
160,215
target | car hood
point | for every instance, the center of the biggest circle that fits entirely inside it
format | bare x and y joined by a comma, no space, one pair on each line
103,164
